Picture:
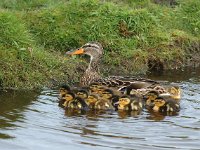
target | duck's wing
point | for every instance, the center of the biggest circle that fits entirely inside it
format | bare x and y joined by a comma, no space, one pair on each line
121,83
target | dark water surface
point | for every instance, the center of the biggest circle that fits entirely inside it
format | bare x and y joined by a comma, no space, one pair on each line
33,120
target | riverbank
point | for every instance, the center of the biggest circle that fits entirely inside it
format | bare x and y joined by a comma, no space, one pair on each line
143,35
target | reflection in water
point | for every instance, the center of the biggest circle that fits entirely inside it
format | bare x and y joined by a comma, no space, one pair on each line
27,118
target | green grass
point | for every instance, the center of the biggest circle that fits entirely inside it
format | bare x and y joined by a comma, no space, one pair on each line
139,33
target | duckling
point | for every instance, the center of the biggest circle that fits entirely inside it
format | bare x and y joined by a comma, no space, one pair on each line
175,92
161,104
130,103
77,103
94,87
103,105
82,93
150,96
91,100
64,89
67,98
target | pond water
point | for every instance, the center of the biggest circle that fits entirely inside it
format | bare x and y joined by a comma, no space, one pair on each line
32,120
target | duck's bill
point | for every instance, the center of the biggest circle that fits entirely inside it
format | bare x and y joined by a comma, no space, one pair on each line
75,52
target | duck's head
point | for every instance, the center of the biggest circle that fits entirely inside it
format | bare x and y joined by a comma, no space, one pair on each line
150,96
82,93
123,102
91,100
94,87
68,97
64,89
175,92
77,103
158,103
107,94
93,49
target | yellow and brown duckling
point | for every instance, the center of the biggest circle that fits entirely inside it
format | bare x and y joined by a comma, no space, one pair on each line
82,93
66,98
91,100
130,103
64,89
77,103
175,92
161,104
103,104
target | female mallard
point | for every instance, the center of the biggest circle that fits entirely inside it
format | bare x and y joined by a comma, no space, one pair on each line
95,51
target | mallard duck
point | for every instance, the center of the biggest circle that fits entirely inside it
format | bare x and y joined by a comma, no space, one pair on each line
161,104
95,51
77,103
130,103
64,89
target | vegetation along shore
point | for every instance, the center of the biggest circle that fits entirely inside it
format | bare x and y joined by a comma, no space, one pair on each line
137,36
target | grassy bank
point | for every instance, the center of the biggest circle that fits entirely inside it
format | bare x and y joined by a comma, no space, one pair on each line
139,33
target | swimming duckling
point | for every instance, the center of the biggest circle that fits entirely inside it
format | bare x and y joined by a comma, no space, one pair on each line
150,96
82,93
130,103
161,104
91,100
175,92
64,89
67,97
77,103
103,105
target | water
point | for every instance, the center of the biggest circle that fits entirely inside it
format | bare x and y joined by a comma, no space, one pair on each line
33,120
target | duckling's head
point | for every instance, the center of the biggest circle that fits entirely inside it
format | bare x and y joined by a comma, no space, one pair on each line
91,100
95,87
107,94
150,97
93,49
63,90
175,92
159,102
77,103
68,97
82,93
123,102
